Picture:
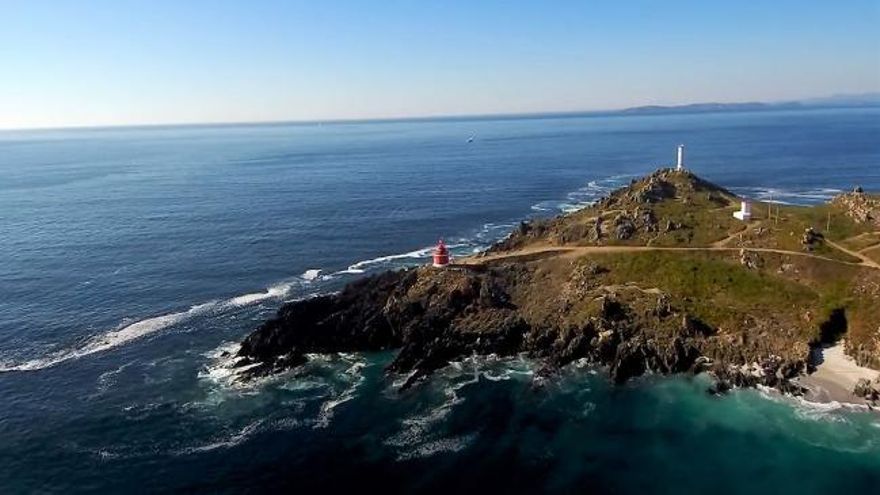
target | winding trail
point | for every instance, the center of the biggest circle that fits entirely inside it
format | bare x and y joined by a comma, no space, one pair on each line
749,228
582,250
875,237
856,254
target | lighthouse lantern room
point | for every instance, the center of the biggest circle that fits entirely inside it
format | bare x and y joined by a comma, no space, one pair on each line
441,254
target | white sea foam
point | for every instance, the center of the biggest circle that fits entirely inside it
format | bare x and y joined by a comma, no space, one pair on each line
442,445
234,439
356,377
134,331
788,196
831,411
111,339
362,266
418,254
311,274
223,371
417,430
108,379
584,196
421,434
277,291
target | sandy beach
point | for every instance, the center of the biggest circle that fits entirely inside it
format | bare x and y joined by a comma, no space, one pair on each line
835,376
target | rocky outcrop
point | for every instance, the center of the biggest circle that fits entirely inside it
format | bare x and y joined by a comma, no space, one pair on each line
860,206
771,371
353,319
629,215
868,390
434,316
665,184
811,239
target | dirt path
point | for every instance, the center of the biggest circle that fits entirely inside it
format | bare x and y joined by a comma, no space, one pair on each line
749,228
868,247
865,260
581,250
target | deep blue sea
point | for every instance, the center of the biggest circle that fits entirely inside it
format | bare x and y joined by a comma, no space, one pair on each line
131,258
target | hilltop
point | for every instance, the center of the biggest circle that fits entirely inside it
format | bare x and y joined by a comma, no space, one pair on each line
658,276
666,208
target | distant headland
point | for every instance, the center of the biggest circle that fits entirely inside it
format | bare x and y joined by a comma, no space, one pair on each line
841,101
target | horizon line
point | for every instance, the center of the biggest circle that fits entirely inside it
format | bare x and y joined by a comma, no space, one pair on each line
638,110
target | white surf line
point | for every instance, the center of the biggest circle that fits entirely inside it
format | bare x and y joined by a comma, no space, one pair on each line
140,329
363,266
584,196
793,197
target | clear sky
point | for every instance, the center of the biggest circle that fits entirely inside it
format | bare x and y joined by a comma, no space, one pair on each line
108,62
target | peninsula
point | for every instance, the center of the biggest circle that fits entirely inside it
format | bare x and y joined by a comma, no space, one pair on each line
660,276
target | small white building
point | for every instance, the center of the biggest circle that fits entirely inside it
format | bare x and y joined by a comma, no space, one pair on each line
745,211
680,163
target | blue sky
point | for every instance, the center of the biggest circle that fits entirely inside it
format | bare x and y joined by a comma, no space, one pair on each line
97,62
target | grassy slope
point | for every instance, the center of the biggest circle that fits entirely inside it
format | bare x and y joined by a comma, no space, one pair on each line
699,214
800,292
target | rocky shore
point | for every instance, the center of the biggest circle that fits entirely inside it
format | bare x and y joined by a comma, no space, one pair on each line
656,278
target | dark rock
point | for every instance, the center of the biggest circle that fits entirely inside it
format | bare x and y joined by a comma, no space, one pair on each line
624,227
868,389
811,238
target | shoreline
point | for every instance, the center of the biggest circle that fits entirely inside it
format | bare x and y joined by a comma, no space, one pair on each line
835,377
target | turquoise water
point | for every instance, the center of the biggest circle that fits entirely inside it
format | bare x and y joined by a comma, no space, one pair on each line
131,258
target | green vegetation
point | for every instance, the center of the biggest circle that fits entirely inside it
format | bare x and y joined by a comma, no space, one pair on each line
777,278
714,287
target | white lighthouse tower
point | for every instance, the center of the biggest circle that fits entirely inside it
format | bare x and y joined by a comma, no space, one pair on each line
745,211
680,165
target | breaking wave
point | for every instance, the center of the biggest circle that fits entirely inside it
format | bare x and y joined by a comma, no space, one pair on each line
423,434
799,197
584,196
311,274
402,258
325,381
362,266
134,331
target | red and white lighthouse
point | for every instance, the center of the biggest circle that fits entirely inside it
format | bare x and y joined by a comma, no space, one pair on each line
441,254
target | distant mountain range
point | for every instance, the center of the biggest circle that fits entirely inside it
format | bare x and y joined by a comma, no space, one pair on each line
845,100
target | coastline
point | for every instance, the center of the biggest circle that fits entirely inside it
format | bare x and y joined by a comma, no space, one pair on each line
647,279
835,377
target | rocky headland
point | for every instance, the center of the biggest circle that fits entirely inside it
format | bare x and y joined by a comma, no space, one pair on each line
657,277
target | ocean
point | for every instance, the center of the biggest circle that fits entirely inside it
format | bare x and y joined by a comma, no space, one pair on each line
133,259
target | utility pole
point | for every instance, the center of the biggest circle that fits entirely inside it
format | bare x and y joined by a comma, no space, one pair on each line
828,225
